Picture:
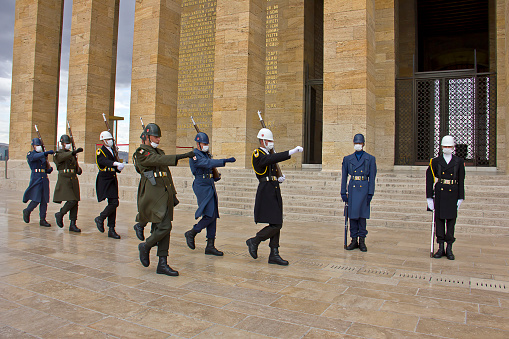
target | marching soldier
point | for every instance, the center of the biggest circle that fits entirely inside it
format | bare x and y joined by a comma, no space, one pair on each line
156,196
361,167
106,185
268,203
204,189
448,193
68,187
38,188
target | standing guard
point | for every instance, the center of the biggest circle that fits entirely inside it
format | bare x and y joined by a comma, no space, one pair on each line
156,196
106,185
361,167
68,187
268,203
202,165
448,193
38,188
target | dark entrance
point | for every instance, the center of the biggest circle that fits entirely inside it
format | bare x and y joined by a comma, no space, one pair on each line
450,87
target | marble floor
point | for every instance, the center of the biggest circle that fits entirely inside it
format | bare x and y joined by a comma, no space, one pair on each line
54,284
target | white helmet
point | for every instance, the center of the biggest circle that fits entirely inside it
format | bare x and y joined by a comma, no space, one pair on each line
447,141
105,135
265,134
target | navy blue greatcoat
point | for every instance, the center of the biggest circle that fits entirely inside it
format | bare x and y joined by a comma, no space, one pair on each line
38,188
358,190
203,185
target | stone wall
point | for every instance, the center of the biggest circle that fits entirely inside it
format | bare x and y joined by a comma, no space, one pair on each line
502,88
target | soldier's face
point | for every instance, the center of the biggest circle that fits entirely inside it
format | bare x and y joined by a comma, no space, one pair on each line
155,139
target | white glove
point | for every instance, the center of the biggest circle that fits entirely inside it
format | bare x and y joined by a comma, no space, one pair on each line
459,203
120,166
431,204
281,179
295,150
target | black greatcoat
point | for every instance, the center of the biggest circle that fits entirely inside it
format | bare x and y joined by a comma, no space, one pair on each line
268,204
106,185
446,195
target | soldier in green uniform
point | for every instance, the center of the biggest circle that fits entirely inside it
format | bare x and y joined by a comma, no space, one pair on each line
68,187
156,196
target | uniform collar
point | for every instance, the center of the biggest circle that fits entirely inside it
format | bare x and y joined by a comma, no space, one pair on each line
264,150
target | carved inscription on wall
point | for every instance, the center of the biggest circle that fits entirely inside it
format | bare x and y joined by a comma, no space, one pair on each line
196,68
271,46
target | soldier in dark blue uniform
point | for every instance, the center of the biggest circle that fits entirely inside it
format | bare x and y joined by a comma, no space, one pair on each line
361,167
268,203
202,166
448,193
106,185
38,188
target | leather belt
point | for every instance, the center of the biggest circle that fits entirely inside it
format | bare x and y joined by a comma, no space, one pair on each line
269,178
67,170
160,174
39,170
448,182
206,176
359,178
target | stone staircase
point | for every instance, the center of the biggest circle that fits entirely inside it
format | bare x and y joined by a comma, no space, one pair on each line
313,196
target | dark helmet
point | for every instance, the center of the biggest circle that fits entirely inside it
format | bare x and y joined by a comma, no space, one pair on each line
36,142
202,137
65,139
358,139
152,129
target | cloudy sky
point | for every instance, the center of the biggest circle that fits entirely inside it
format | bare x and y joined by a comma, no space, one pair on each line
123,82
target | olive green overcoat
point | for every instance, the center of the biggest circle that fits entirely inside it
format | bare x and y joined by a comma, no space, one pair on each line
68,186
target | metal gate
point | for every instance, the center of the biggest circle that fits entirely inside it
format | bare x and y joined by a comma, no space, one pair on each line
457,103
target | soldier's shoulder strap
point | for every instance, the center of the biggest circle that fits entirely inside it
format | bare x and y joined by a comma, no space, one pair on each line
256,154
431,167
97,154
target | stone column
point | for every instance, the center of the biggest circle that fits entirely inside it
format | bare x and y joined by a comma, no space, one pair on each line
155,70
238,77
35,73
349,87
502,15
92,63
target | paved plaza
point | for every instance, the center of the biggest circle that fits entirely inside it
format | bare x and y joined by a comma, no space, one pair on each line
54,284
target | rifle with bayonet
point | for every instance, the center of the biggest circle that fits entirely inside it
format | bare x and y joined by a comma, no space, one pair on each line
215,172
278,169
114,146
78,168
42,145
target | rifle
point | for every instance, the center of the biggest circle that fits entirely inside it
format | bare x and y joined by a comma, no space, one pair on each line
42,145
215,172
346,223
114,146
78,169
279,174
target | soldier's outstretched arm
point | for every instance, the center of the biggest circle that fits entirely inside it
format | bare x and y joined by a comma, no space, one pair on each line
205,162
270,159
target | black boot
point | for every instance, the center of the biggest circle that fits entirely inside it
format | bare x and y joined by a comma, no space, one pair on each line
211,249
163,268
112,233
362,244
190,238
274,257
26,215
252,245
353,245
438,254
99,223
448,251
144,254
73,227
44,223
60,219
139,231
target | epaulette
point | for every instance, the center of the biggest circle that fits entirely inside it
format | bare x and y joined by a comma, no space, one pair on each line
256,153
98,152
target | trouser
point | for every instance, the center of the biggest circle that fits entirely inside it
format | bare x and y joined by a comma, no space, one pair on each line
272,232
442,235
208,223
110,212
42,208
70,206
358,228
160,236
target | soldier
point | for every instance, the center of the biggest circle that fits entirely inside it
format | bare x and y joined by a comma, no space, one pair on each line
38,188
449,193
68,187
204,189
106,185
268,203
361,167
156,196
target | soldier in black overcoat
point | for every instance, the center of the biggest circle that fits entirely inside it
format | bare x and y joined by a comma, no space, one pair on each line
446,195
268,203
106,185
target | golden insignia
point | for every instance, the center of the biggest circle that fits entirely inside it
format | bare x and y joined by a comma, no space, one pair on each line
256,153
98,152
